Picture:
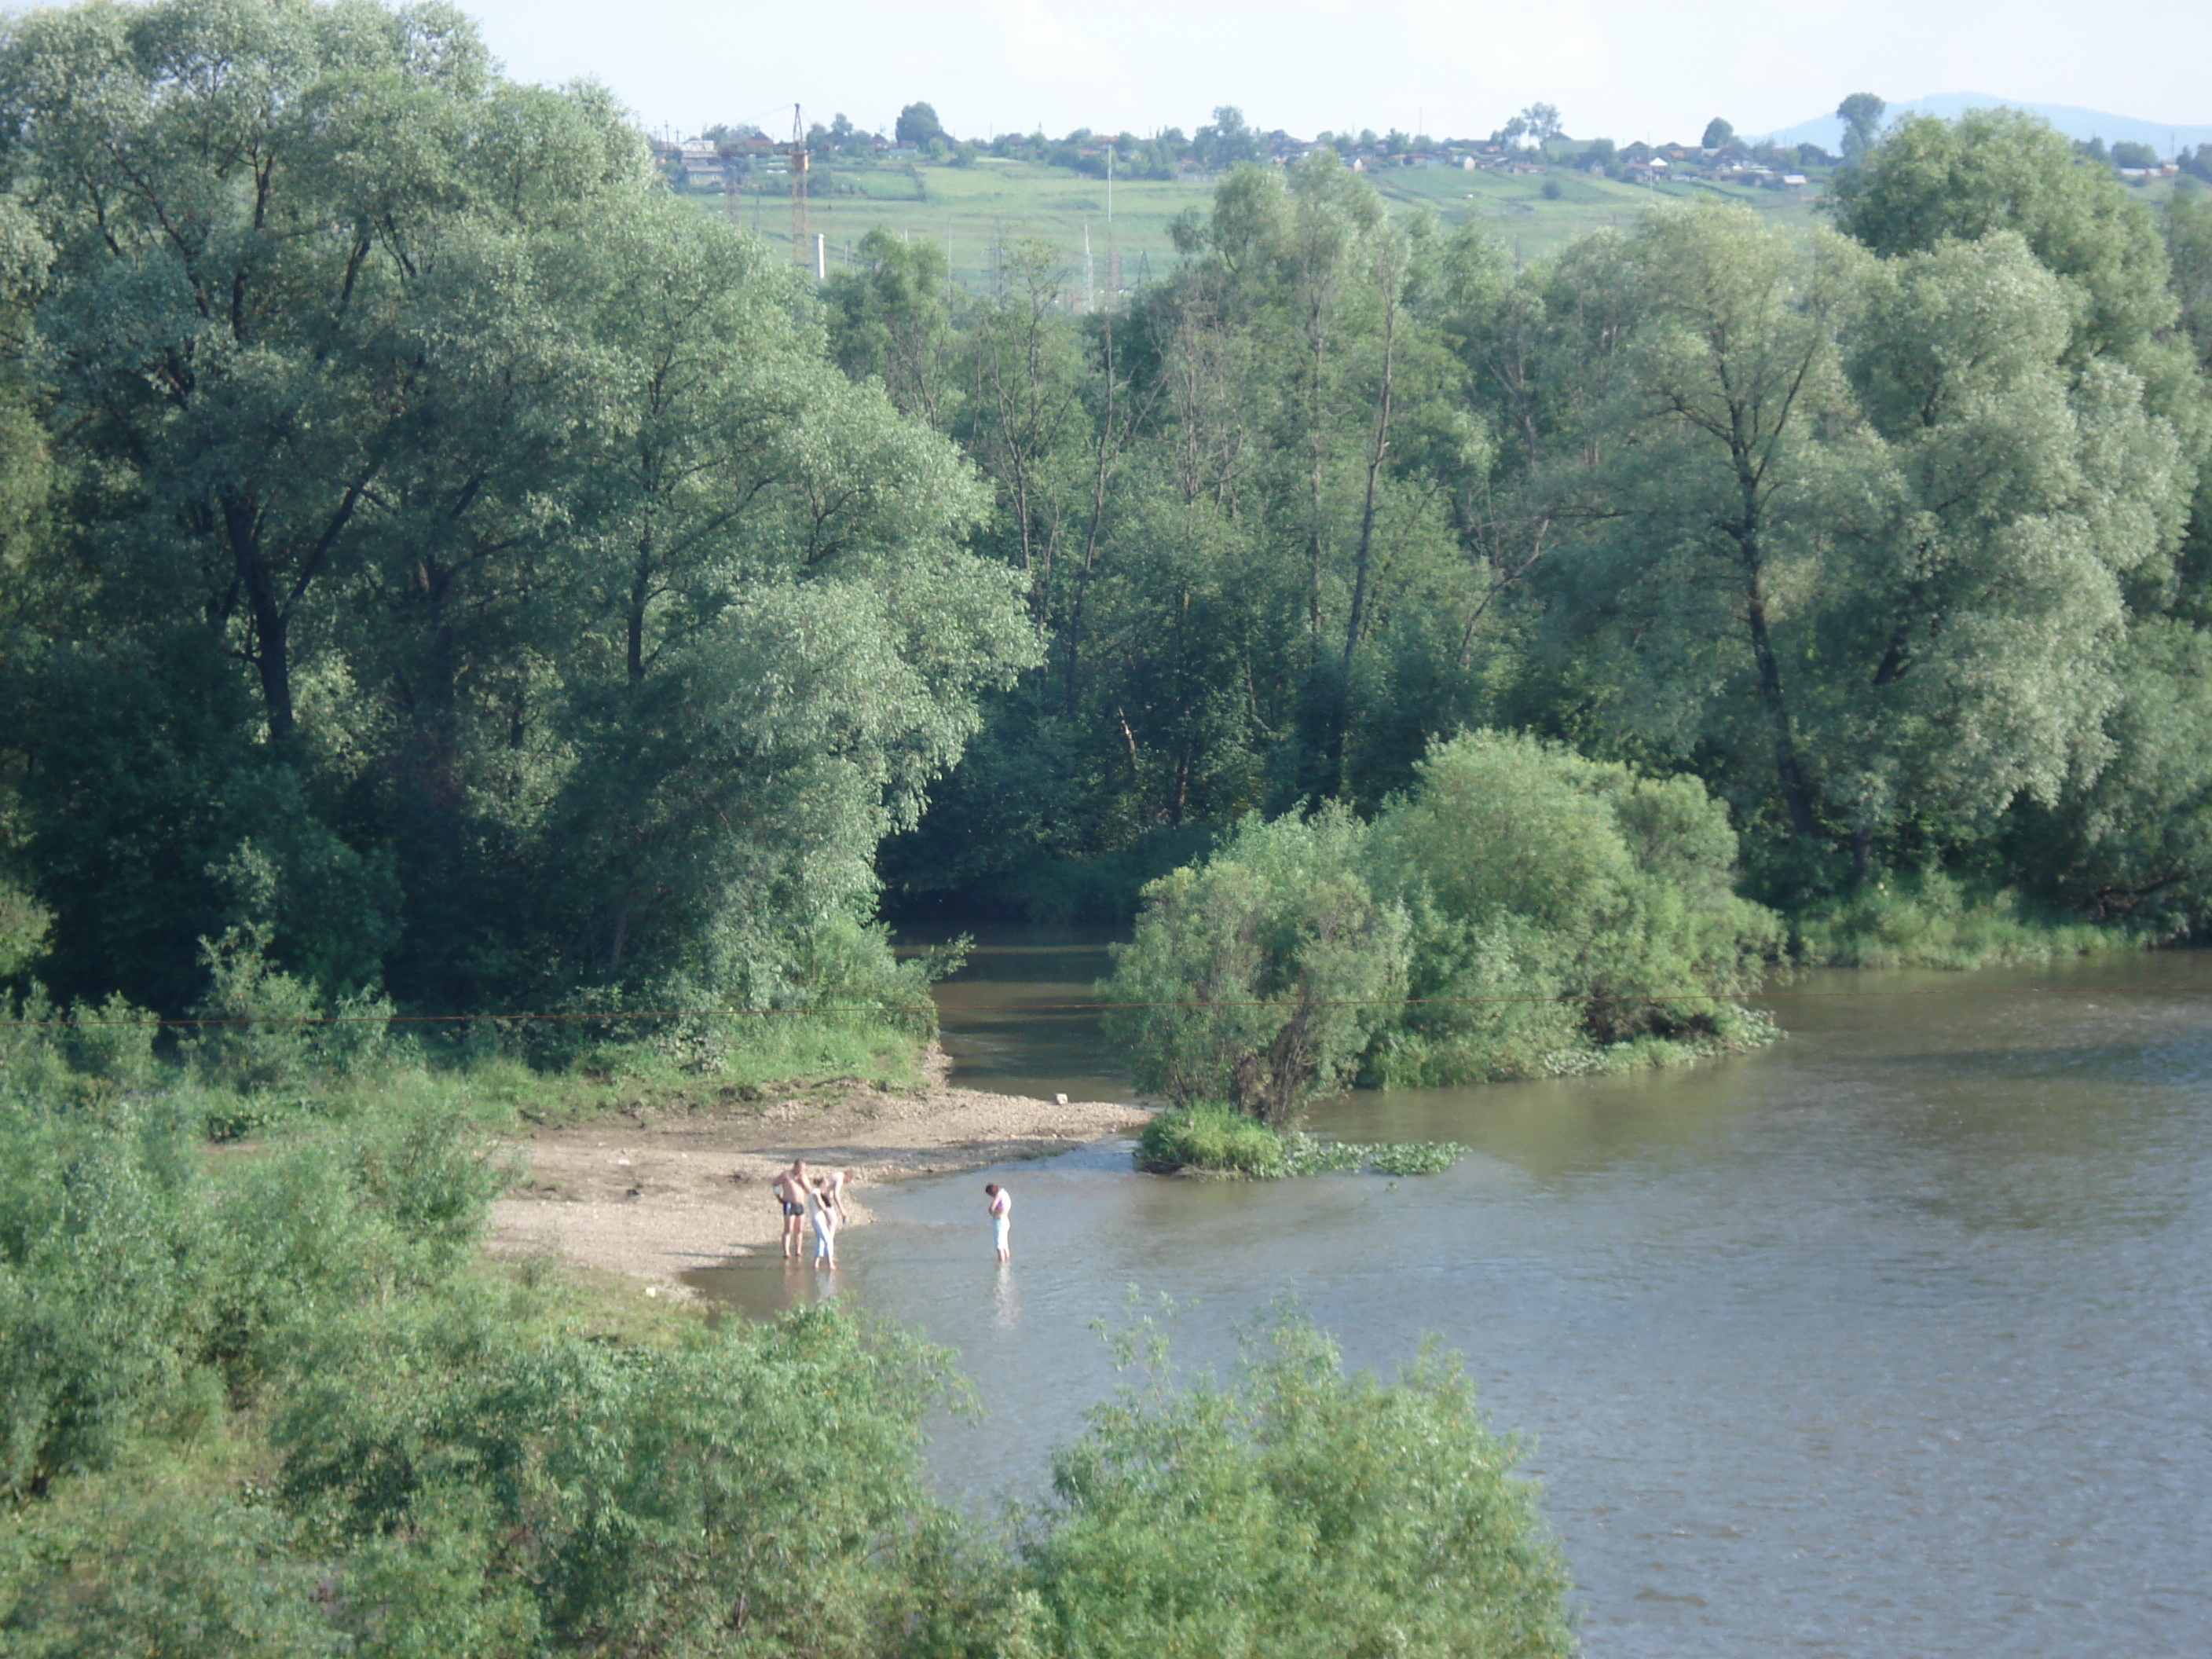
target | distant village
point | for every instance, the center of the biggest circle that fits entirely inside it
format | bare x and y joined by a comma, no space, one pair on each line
725,159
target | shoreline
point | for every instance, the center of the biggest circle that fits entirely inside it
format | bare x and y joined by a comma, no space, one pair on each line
683,1188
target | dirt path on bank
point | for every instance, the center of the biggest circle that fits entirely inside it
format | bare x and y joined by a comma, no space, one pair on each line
670,1186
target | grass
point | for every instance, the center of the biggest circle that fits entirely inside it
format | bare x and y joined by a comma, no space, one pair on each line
975,209
972,210
1215,1140
1935,921
496,1075
1515,209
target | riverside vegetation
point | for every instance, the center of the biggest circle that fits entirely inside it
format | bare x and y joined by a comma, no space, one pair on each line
1523,912
277,1403
443,576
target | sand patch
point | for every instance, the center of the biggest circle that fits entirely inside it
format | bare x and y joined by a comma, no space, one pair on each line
659,1194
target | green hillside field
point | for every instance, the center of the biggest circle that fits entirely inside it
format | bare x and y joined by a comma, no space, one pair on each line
992,202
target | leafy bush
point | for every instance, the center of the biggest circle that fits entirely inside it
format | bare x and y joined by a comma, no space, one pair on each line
23,925
1225,1142
1931,920
176,1573
112,1040
1524,913
100,1222
1212,1138
1297,1512
1569,915
124,1270
753,1489
1260,976
265,1028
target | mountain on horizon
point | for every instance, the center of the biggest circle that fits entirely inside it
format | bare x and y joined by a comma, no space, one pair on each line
1828,131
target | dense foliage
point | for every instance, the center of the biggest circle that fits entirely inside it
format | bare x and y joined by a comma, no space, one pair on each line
1892,536
278,1403
1298,1512
1523,912
436,557
437,565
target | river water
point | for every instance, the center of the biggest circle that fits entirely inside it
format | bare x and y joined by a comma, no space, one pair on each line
1893,1338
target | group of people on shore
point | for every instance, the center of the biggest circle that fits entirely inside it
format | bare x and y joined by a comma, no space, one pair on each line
818,1201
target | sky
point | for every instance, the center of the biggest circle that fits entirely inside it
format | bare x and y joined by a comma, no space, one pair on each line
1620,69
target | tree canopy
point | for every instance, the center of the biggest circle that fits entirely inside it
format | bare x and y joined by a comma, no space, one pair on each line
433,506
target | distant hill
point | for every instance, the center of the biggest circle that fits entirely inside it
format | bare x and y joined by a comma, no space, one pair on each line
2163,136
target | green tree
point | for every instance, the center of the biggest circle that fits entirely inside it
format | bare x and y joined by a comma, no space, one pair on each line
1227,142
2134,843
892,318
1541,123
1565,913
1258,979
1297,1511
1885,538
2003,170
403,412
252,155
917,123
1861,113
1719,135
1996,170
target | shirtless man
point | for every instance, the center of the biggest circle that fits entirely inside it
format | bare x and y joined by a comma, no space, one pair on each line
1002,1217
790,1190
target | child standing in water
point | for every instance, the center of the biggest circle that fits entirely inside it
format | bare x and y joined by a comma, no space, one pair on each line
822,1210
1002,1218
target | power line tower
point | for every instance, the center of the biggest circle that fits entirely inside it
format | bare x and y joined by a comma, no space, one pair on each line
802,245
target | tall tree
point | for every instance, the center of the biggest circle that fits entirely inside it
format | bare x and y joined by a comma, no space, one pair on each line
1868,537
1861,113
460,533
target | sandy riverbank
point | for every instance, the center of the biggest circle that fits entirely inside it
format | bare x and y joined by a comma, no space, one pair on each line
679,1187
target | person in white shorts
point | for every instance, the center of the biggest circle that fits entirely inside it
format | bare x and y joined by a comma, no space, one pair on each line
1002,1218
822,1210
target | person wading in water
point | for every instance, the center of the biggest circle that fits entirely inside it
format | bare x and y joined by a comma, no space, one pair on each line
822,1206
790,1190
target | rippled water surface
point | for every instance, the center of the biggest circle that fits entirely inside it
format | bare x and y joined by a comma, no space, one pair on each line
1891,1339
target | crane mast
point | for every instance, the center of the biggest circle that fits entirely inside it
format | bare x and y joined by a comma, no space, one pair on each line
802,245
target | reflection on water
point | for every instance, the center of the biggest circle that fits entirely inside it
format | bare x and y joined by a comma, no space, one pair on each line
1892,1339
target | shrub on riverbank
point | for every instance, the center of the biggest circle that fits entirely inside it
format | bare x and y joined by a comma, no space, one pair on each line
1524,913
1219,1140
1260,975
1211,1138
1931,920
269,1051
1297,1510
271,1404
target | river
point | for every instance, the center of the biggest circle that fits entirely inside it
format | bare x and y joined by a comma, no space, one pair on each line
1893,1338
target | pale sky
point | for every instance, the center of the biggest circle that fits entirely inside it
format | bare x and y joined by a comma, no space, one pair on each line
1618,69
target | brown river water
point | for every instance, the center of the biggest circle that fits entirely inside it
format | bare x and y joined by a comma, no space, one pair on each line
1893,1338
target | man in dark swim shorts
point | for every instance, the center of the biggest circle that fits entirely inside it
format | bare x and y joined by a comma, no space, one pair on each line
790,1190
